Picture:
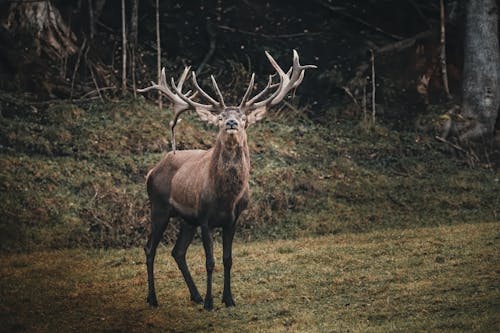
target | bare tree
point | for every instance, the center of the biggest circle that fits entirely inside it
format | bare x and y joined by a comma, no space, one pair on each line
158,50
133,40
442,54
91,20
124,51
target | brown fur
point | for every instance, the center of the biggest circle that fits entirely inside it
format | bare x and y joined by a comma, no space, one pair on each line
192,180
208,189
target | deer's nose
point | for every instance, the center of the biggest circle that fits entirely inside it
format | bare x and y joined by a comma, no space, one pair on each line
231,123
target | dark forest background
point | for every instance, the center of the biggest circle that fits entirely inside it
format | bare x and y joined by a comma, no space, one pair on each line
73,49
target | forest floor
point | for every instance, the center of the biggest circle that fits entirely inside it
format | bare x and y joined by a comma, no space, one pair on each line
443,278
350,228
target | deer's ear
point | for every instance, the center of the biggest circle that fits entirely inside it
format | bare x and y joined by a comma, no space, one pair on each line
256,115
207,116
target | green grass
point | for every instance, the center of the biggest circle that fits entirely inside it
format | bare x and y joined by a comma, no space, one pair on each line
442,278
73,175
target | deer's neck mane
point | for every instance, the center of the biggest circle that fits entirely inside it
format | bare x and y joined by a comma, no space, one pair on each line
230,166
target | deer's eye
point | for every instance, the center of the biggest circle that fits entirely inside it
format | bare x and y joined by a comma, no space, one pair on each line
244,118
220,117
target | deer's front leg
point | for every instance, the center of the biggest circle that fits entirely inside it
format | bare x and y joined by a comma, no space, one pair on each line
227,248
206,235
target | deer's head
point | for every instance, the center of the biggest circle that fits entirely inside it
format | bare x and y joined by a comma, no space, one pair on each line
231,120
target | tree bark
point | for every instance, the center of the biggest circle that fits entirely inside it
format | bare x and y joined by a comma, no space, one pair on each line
42,20
91,20
124,51
158,50
134,40
481,83
442,54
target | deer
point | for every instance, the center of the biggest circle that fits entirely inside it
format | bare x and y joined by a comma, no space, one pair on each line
208,189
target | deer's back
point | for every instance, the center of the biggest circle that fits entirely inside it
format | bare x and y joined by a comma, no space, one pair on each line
159,179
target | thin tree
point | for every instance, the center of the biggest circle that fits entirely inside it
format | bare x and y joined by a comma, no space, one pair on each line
133,41
124,51
442,55
91,20
372,60
158,50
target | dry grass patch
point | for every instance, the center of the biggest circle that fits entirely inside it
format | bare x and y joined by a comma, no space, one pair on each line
426,279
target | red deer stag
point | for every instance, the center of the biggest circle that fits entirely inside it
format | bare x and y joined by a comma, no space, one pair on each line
208,188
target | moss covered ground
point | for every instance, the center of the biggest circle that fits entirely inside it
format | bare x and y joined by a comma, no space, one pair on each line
73,175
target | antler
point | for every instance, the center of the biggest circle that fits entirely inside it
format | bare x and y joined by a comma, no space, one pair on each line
182,102
253,107
288,81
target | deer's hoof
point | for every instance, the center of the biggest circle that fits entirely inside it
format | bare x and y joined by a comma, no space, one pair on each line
209,304
229,302
152,301
197,299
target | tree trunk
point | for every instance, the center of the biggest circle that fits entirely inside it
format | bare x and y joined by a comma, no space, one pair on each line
158,50
442,55
481,83
91,20
124,51
43,23
133,40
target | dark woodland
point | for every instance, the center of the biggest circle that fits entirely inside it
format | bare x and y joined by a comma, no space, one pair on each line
74,50
370,192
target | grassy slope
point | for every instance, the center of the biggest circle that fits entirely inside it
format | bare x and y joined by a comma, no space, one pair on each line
74,175
423,279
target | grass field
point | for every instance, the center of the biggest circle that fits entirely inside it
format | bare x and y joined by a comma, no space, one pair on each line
444,278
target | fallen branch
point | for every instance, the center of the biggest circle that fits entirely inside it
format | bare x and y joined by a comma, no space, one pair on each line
402,44
358,20
251,33
89,65
98,90
95,83
457,147
77,65
350,94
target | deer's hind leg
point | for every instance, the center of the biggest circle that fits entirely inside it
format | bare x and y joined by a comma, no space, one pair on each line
160,214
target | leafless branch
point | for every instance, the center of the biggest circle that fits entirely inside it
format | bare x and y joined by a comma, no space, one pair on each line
77,65
402,44
350,94
442,54
358,20
212,34
278,36
457,147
